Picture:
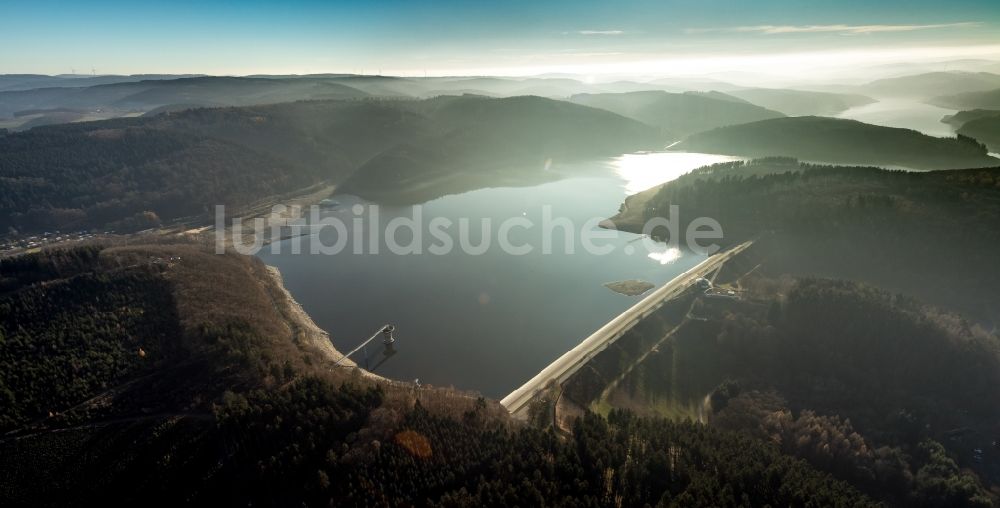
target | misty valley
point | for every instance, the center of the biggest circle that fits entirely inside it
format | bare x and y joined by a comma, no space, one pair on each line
742,257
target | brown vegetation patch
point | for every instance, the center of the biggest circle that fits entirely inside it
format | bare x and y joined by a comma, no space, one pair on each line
415,443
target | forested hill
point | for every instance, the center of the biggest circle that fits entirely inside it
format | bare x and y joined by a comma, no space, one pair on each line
842,141
985,129
962,117
473,142
844,375
988,99
894,229
165,374
183,163
678,114
110,331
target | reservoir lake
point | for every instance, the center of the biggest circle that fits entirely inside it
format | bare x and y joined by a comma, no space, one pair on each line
487,321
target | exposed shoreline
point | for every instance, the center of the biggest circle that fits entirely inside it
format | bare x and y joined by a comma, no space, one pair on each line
315,336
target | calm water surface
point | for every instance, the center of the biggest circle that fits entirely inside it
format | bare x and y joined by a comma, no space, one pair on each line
907,114
489,322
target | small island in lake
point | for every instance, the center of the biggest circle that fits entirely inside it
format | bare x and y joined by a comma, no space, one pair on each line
631,287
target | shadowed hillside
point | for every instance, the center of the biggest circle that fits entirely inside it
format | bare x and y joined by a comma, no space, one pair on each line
893,229
182,164
843,375
501,140
985,130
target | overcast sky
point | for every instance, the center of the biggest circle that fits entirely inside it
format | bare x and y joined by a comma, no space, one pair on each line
600,39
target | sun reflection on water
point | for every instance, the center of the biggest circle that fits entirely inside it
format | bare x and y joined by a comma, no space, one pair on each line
642,171
666,257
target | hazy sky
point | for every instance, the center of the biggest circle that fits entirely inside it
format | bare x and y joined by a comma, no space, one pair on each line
483,37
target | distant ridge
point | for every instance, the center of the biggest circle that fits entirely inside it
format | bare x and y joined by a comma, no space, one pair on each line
932,84
678,114
837,140
150,94
989,99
